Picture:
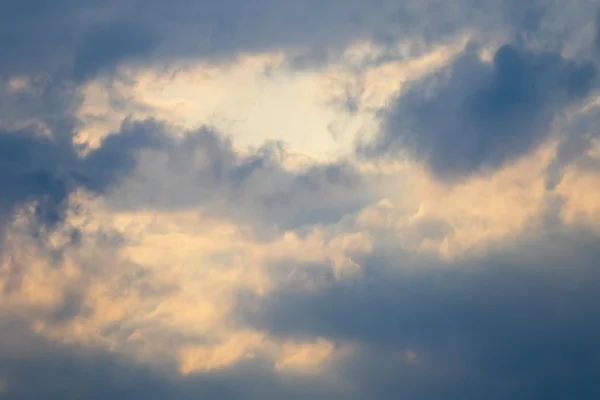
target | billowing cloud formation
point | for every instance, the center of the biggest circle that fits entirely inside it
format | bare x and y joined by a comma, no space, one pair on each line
511,324
147,257
479,115
44,170
203,169
515,322
70,372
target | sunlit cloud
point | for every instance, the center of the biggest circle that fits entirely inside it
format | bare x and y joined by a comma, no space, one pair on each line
335,200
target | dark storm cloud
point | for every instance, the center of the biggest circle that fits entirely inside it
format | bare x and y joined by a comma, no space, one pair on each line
518,323
475,115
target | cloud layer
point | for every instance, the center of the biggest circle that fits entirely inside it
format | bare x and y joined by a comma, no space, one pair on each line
151,249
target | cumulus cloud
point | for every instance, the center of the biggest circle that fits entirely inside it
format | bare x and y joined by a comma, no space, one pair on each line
32,368
42,169
477,115
203,169
166,261
511,323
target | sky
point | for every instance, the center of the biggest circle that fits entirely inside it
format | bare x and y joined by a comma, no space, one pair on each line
276,199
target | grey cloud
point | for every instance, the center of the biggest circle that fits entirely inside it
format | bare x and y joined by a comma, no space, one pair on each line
39,163
575,138
29,165
36,100
70,307
104,47
39,170
597,36
84,38
117,154
44,169
516,323
575,141
476,116
32,368
204,170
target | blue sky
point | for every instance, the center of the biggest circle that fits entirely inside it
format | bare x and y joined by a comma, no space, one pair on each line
360,199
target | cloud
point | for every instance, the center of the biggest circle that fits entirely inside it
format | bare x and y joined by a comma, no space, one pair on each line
77,39
41,165
154,259
43,170
32,367
476,116
512,321
597,37
203,170
515,322
105,46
